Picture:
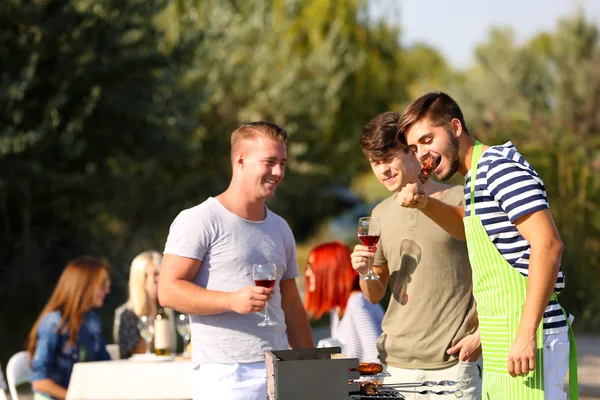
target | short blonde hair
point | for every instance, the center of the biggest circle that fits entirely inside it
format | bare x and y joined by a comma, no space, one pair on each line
252,130
138,299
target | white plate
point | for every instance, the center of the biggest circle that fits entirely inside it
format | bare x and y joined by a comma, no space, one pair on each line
151,358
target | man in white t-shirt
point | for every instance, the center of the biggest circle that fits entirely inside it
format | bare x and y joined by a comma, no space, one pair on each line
207,272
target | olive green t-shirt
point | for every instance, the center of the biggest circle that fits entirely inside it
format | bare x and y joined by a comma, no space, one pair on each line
431,305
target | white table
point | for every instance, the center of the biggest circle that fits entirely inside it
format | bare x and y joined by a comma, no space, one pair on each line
131,380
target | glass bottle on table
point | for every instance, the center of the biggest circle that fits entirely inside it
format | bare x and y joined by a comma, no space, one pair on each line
162,333
146,328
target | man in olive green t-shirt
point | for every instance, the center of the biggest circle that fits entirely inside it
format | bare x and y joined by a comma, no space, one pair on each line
430,326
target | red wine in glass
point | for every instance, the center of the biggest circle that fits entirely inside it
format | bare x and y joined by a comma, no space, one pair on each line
268,283
369,240
265,275
369,231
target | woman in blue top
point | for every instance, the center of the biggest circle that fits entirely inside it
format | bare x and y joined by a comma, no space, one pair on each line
67,331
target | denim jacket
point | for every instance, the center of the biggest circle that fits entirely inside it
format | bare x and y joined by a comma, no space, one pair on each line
54,357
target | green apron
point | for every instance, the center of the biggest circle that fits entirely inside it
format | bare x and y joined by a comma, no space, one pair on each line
500,290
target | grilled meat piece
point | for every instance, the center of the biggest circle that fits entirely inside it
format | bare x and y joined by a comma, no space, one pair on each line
427,167
369,388
368,368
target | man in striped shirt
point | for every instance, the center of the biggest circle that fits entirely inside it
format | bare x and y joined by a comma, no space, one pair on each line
510,205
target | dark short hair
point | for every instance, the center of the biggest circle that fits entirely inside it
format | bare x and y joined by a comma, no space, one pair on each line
438,107
378,138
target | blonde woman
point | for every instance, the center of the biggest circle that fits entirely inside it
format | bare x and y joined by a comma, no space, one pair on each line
143,300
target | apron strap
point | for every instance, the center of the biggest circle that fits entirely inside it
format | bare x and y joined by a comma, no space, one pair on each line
573,379
475,155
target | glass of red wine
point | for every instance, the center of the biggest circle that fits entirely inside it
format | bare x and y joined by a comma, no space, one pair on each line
369,231
265,275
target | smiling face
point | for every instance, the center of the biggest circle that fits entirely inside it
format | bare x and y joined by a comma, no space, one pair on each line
427,140
397,170
262,165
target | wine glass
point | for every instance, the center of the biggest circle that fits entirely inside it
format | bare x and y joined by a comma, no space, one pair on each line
146,327
265,275
183,328
369,231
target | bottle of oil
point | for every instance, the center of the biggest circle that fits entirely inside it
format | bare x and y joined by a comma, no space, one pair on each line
162,333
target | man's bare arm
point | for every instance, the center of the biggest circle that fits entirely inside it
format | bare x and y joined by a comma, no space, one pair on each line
448,217
546,251
375,290
298,329
177,291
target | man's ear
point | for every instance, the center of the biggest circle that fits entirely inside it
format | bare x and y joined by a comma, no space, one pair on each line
238,160
456,127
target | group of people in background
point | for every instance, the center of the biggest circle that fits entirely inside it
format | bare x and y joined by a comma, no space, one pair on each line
68,329
468,270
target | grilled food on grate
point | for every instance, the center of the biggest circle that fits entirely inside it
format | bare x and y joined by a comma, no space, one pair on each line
369,388
371,368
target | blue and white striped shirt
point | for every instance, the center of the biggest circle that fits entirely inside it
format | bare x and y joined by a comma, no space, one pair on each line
359,329
507,188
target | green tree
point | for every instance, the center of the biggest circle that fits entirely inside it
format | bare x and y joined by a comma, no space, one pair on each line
92,123
319,68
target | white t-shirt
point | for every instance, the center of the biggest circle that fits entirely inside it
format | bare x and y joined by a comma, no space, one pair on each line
228,247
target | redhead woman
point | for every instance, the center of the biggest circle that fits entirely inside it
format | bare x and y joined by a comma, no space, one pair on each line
332,286
67,330
143,300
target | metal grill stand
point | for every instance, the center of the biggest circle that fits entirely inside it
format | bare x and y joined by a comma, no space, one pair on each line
309,374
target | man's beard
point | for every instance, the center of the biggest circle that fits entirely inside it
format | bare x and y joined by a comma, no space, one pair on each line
450,156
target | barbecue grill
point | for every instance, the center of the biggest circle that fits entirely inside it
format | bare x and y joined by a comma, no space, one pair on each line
313,374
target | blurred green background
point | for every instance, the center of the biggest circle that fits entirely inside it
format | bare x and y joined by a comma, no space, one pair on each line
116,114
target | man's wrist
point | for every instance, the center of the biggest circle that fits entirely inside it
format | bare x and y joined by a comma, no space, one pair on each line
424,203
527,330
228,301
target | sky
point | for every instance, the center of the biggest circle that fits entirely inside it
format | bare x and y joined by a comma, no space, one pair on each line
455,27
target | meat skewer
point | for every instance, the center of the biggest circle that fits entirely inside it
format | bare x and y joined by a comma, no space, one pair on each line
427,167
460,383
369,388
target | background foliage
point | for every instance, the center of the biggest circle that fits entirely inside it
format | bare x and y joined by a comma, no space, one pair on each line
116,114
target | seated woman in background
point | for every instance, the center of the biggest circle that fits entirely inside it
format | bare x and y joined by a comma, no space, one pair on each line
332,286
67,331
2,385
143,300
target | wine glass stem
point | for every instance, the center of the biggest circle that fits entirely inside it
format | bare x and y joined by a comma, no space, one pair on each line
185,345
147,347
267,311
369,268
